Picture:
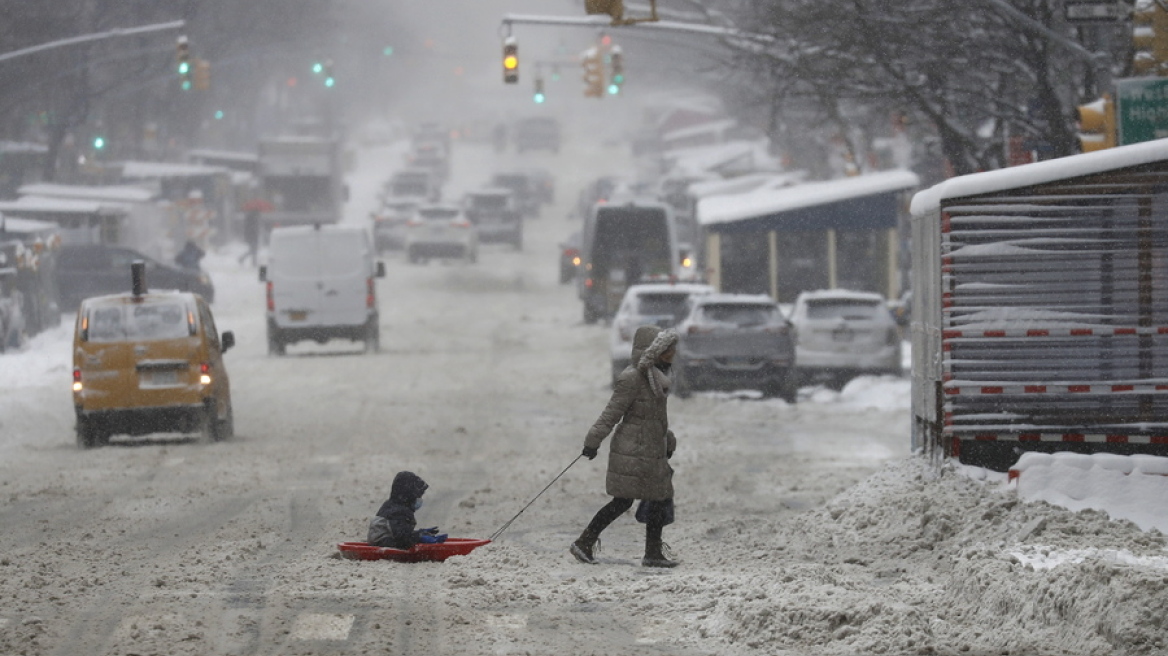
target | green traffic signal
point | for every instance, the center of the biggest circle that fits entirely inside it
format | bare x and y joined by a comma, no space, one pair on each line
186,85
387,51
99,143
539,98
613,89
329,81
184,68
317,68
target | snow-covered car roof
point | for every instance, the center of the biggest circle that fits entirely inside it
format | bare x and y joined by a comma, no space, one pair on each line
665,288
1028,175
743,299
124,193
839,295
491,191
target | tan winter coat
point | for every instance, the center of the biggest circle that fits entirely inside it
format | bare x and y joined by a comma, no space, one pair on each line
638,460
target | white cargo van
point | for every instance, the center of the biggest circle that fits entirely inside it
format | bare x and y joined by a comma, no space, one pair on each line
320,286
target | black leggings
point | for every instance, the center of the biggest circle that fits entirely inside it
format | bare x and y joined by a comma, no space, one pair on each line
617,507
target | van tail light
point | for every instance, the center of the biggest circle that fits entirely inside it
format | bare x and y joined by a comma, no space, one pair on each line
205,374
413,223
461,223
588,283
370,294
77,380
698,330
271,298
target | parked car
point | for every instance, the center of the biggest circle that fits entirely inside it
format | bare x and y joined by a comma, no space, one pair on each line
527,195
842,334
537,133
85,270
389,221
495,216
569,258
657,304
441,231
149,362
321,286
735,341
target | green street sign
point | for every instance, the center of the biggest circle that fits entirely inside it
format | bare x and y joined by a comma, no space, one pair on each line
1141,109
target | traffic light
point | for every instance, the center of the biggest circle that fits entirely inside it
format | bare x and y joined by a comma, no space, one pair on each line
617,74
539,96
510,60
317,67
1097,124
1149,39
98,142
593,73
327,70
202,75
183,58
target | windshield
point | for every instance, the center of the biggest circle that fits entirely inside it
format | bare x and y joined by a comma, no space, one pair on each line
663,304
139,322
740,314
843,309
438,213
485,202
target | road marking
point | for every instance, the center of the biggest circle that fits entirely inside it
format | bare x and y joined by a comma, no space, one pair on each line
321,626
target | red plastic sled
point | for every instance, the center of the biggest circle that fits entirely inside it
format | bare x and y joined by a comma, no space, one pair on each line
423,552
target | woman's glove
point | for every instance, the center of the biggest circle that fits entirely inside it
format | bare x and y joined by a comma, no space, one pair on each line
589,452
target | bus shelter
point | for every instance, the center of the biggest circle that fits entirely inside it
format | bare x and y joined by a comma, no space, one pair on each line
839,234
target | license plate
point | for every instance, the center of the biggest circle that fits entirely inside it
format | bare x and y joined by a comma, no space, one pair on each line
158,378
844,335
297,315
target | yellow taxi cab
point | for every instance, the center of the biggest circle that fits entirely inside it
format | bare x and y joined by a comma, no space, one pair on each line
149,363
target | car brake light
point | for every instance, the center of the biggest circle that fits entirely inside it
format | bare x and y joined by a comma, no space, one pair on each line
370,293
461,224
271,298
204,374
588,283
413,223
76,380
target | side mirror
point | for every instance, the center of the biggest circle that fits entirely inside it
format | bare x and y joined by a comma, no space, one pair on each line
380,269
264,273
227,340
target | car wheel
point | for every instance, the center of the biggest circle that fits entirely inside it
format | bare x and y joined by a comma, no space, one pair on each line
372,336
209,423
275,344
226,427
86,433
681,387
590,315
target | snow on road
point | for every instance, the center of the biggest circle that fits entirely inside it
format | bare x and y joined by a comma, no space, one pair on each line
803,529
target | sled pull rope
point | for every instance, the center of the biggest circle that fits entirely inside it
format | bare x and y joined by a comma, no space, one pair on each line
507,525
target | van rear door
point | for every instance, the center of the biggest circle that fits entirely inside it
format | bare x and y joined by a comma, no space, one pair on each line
346,272
295,277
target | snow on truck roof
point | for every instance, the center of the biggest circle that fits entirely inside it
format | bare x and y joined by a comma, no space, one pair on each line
122,193
727,209
169,170
43,205
1029,175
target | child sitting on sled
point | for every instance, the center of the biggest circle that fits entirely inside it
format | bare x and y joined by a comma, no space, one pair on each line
393,526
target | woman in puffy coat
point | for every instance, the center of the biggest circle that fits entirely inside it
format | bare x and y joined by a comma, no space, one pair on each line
638,460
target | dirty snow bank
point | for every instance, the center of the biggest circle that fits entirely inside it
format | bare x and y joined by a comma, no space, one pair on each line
910,561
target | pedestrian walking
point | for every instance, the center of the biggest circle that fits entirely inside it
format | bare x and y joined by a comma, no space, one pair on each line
638,459
251,235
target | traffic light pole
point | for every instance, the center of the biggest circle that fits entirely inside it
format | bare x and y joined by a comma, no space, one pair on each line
97,36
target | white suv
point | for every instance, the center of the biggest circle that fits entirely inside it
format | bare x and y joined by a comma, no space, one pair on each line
842,334
656,304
